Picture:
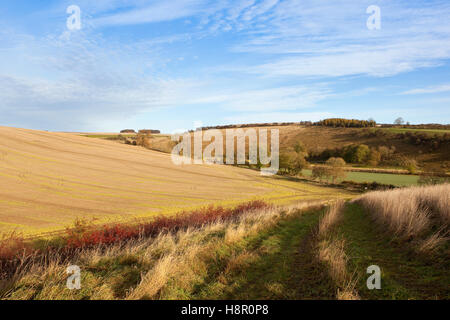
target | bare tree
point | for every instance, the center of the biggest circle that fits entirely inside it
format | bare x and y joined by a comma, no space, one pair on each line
399,121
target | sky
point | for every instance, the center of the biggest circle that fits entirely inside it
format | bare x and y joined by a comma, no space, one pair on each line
173,65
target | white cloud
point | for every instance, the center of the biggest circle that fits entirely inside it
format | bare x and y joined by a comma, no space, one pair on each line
235,11
263,100
155,12
373,61
330,39
259,9
78,81
433,89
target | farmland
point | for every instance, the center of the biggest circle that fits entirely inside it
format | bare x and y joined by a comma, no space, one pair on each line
146,228
316,139
399,180
50,179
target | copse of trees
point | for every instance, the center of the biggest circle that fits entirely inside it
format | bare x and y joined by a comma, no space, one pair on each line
356,154
346,123
293,161
149,131
128,131
333,169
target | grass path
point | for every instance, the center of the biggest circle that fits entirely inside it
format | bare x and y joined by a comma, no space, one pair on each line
404,274
282,265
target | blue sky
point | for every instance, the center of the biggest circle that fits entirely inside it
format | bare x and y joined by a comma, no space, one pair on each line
170,64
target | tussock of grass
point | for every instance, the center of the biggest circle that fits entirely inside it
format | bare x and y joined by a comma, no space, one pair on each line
331,218
421,214
430,245
331,251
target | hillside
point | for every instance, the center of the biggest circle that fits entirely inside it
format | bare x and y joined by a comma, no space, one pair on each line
319,138
50,179
408,143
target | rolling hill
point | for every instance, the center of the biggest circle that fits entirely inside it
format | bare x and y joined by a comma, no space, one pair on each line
47,180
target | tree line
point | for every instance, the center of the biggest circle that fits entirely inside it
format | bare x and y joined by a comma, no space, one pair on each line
346,123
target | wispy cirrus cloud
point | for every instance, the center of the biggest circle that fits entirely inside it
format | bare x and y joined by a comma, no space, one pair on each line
428,90
83,78
324,39
156,11
269,99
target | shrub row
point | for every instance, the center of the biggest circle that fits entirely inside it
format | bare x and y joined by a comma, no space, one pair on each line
85,236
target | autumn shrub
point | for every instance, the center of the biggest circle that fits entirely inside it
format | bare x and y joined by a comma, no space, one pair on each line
12,244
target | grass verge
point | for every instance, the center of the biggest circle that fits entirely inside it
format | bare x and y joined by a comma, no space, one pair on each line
405,274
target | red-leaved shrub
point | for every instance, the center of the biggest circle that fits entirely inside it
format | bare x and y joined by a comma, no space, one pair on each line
83,235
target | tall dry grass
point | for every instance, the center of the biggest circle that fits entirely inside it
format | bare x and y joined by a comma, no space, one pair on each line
331,252
331,218
413,213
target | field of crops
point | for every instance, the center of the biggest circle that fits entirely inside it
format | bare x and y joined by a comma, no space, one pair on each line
47,180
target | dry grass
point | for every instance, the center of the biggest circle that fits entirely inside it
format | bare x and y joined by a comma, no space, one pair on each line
433,242
331,252
413,213
331,218
168,266
194,251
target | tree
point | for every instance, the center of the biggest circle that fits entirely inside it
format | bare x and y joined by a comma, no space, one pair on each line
336,168
374,157
386,152
362,153
410,165
399,121
357,153
299,147
319,172
299,164
285,162
292,162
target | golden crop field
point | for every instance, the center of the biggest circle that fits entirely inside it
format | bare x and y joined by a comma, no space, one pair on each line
47,180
